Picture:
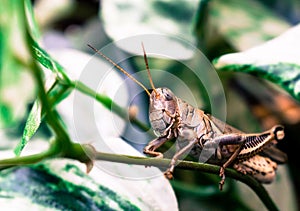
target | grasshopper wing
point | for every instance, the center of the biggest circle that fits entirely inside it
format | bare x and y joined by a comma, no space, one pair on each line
275,154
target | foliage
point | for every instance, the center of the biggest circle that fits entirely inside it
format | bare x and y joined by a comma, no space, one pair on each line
216,27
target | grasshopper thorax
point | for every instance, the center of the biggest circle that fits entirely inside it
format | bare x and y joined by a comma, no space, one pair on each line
162,109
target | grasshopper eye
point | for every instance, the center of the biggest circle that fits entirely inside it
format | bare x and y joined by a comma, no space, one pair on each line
168,96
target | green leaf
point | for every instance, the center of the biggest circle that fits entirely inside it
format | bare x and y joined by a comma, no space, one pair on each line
39,53
124,19
47,61
31,22
6,114
63,186
56,93
242,24
32,124
276,60
16,86
286,75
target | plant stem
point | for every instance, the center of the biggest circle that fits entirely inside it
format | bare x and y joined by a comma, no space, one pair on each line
30,159
203,167
51,118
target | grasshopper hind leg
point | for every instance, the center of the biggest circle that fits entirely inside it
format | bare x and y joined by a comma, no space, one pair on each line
261,168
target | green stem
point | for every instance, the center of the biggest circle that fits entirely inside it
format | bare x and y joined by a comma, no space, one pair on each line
50,117
53,150
203,167
76,151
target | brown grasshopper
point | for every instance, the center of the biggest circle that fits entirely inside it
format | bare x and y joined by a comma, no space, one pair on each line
202,135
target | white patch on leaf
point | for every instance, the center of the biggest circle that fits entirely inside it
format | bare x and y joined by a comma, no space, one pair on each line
285,48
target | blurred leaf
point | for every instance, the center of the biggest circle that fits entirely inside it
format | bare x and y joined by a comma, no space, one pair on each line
16,86
285,199
49,12
83,121
284,74
47,61
39,189
39,53
56,92
32,26
35,116
124,19
276,60
64,183
242,24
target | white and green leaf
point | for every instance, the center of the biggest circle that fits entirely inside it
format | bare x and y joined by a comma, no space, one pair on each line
170,18
276,60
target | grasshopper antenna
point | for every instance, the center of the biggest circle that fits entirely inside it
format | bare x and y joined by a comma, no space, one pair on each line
148,70
120,68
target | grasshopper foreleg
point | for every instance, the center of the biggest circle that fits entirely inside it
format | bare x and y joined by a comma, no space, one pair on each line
156,143
169,172
185,134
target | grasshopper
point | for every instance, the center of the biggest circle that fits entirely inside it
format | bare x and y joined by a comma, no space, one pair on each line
198,133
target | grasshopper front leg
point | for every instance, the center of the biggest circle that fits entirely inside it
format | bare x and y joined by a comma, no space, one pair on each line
156,143
185,134
169,172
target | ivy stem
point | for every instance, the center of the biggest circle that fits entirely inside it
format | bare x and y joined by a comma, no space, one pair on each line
51,119
189,165
84,153
53,150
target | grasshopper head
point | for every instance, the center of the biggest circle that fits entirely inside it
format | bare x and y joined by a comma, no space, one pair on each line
163,103
162,109
163,99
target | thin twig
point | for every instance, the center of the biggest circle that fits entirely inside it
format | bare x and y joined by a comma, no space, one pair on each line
203,167
53,151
